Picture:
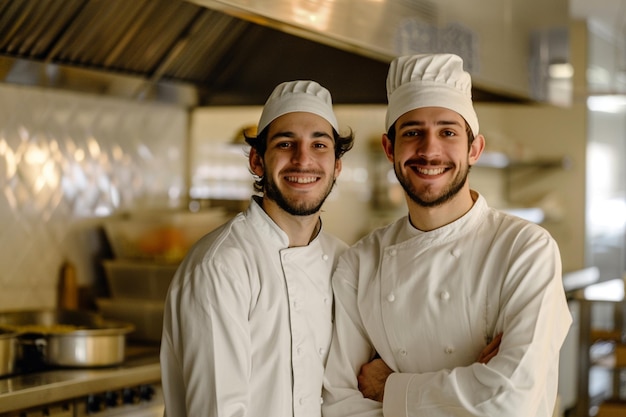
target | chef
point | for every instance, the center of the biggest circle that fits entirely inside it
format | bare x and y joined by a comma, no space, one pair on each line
417,300
248,316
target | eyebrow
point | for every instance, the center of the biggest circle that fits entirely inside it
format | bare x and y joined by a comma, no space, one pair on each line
290,134
412,123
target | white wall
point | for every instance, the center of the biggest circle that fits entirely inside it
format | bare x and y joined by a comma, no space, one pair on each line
67,160
544,132
527,132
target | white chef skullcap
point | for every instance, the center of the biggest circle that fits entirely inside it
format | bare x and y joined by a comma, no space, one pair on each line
295,96
429,80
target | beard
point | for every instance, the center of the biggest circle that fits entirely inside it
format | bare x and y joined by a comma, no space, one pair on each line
427,198
295,206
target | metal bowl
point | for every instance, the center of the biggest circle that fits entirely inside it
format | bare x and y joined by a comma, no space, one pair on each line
67,338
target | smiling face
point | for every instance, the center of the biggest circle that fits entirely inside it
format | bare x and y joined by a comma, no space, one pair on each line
299,164
430,155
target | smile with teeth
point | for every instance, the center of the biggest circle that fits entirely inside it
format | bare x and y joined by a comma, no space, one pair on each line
301,180
431,171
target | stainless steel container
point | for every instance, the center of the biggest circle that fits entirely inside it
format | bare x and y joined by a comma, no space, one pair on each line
92,347
68,338
8,352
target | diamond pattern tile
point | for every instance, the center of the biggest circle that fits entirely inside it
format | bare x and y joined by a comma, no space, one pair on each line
66,161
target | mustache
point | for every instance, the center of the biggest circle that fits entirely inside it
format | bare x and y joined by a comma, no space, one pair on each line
302,171
426,162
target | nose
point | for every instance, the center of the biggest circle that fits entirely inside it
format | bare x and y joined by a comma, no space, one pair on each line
301,155
429,146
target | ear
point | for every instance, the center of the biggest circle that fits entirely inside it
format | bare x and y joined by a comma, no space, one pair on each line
476,149
387,147
256,163
338,166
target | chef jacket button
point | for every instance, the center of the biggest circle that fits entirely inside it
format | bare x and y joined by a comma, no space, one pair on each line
325,257
449,350
444,295
403,352
326,300
301,401
295,305
456,253
391,298
393,252
322,351
321,400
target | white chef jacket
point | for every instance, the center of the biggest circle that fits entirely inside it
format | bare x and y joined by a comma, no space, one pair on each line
429,302
248,323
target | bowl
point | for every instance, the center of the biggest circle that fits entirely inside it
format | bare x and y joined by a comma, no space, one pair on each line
162,236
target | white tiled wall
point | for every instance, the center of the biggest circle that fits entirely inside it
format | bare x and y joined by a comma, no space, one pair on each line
66,161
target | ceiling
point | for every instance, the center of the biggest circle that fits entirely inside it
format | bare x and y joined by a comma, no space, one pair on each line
162,43
176,50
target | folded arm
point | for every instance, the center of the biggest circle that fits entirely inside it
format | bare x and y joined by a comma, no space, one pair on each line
374,374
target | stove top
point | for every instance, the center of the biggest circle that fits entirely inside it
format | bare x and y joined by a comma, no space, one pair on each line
38,386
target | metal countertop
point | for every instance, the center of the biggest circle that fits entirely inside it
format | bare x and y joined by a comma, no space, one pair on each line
40,388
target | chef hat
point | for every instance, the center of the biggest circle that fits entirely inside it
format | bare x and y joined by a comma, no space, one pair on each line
301,95
429,81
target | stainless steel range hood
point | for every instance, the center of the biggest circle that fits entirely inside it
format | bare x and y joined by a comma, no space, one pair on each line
210,52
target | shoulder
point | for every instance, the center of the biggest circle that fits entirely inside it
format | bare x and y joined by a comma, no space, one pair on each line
507,222
381,236
332,243
368,248
515,238
218,253
506,228
226,261
214,243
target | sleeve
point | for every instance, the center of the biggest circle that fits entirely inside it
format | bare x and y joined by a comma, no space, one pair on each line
521,380
350,348
205,349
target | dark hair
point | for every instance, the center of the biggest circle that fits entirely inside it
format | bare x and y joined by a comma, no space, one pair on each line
391,133
259,142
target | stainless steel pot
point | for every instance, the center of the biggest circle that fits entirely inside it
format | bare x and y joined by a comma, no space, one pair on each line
8,352
68,338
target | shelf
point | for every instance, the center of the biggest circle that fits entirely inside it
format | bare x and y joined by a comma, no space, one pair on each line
612,409
500,160
520,174
608,355
601,350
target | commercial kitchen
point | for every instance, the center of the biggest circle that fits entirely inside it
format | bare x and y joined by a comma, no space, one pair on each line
121,143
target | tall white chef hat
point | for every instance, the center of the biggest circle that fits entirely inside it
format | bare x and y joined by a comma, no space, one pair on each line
429,80
300,95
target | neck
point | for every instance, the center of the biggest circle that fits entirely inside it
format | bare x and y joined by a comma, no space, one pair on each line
431,218
301,230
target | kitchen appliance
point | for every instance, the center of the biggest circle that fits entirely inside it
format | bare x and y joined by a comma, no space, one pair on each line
131,388
196,52
137,401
